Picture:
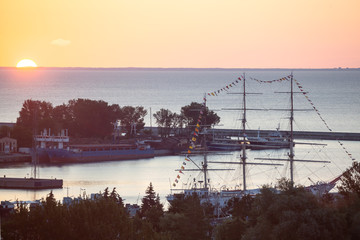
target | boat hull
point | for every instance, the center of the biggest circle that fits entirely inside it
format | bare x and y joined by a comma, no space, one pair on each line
65,156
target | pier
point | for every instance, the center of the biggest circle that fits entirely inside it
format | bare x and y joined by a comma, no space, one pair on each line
30,183
348,136
297,134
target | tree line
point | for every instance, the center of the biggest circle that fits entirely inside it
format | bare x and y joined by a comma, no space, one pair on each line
85,118
287,213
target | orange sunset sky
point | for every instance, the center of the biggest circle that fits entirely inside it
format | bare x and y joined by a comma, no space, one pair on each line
182,33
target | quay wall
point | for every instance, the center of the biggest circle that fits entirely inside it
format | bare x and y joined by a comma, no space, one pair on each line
297,134
30,183
350,136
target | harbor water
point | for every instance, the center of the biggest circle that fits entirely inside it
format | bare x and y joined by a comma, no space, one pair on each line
333,92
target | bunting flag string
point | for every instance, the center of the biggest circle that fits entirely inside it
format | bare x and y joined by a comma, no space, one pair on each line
226,88
322,119
193,140
287,78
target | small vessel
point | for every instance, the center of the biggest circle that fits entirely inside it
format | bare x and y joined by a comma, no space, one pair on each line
274,140
56,149
99,152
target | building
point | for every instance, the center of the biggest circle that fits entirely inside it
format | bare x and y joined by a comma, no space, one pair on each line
8,145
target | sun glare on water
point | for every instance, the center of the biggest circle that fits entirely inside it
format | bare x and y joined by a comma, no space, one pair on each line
26,63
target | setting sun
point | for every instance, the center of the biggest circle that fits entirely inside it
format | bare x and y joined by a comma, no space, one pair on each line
26,63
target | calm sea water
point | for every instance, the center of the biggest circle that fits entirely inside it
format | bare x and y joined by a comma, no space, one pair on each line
333,92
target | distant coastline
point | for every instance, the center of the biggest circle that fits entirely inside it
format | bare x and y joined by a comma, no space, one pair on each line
186,69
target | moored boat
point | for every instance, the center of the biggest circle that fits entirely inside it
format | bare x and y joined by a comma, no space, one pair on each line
100,152
56,149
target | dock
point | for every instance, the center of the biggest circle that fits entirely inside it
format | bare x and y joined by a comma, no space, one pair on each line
30,183
349,136
297,134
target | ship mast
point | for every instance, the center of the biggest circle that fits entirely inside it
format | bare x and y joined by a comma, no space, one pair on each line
291,154
243,157
205,165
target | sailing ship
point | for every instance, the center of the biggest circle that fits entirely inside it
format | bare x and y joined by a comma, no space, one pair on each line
219,197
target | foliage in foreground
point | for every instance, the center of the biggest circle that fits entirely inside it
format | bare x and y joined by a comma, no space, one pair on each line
293,213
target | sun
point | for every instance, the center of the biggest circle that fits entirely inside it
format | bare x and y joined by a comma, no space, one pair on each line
26,63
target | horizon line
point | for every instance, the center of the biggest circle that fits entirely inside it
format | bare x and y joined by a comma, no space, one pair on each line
182,68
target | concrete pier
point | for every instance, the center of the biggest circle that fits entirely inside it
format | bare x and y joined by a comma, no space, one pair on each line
30,183
297,134
350,136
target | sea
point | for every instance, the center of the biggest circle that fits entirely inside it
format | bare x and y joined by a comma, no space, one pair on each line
324,100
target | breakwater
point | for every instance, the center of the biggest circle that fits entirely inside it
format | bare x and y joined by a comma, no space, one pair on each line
30,183
297,134
349,136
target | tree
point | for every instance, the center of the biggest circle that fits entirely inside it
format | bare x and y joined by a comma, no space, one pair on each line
165,120
35,114
191,114
132,117
350,180
151,208
186,219
179,122
293,214
90,118
63,118
102,218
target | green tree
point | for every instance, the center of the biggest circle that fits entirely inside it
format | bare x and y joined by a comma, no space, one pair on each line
90,118
151,208
35,114
191,114
165,120
294,214
186,219
103,218
63,118
350,180
132,116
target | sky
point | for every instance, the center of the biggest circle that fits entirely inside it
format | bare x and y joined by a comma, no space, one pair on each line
181,34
